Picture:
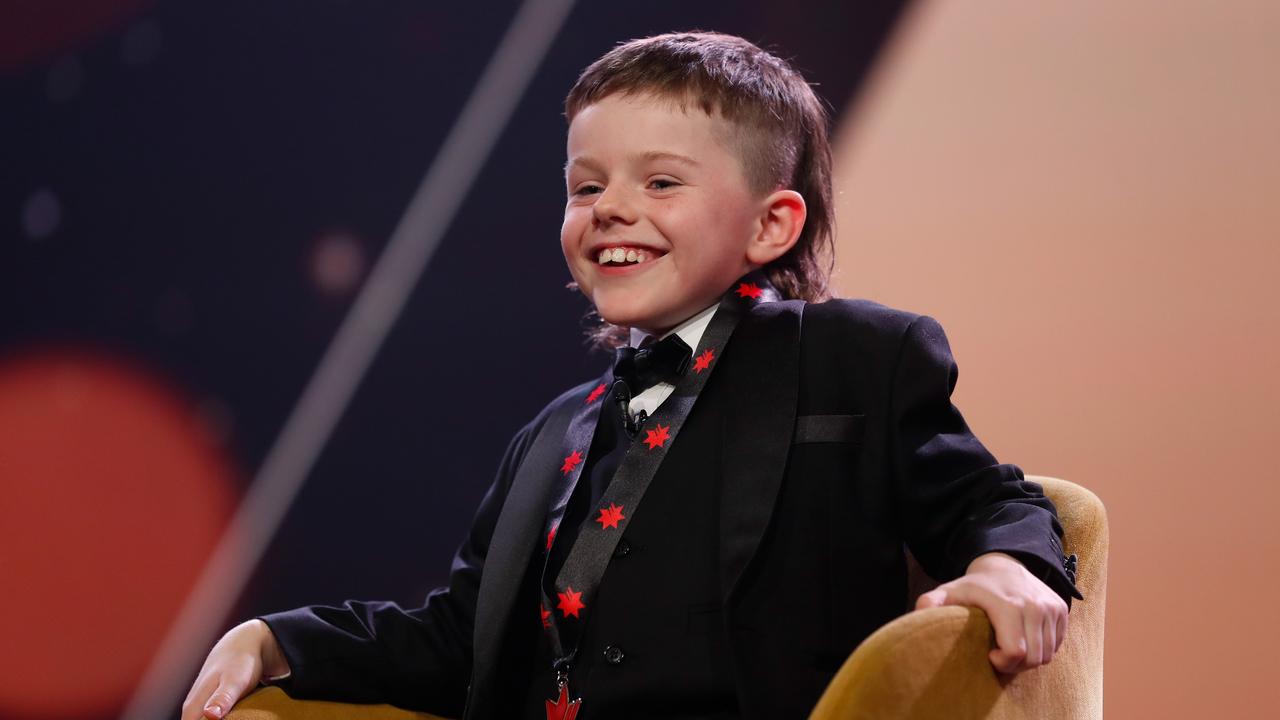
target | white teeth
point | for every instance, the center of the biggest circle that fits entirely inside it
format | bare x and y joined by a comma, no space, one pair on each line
620,255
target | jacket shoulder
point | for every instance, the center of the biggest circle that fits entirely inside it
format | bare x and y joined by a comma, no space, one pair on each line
865,320
576,395
524,438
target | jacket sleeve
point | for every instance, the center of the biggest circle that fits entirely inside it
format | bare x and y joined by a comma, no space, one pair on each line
418,658
955,501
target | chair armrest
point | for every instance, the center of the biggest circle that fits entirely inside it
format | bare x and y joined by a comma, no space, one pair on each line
934,663
271,703
926,664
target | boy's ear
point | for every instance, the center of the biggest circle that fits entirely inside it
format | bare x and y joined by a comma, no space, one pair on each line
781,221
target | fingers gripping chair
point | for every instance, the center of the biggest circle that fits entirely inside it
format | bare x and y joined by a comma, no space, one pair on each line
926,664
933,663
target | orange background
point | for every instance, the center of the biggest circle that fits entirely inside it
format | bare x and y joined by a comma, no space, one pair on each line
1087,195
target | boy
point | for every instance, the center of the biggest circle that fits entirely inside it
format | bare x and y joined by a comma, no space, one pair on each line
784,451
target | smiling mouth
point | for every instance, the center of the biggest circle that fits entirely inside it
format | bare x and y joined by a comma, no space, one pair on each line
622,256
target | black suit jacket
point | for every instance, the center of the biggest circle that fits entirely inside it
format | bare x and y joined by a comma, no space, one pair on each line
837,414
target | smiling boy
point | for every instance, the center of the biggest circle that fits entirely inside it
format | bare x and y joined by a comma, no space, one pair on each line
748,471
646,175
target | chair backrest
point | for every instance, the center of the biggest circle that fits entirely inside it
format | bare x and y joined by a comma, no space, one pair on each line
933,663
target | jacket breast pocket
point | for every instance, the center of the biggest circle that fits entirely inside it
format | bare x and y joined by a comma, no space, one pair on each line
829,429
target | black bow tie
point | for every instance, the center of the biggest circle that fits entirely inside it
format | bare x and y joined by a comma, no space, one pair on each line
653,363
636,370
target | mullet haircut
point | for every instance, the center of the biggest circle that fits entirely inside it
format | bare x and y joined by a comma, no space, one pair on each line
780,132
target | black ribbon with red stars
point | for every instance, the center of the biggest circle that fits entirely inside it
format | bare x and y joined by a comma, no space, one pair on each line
584,567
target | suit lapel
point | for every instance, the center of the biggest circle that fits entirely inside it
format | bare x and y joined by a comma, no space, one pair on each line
763,369
514,538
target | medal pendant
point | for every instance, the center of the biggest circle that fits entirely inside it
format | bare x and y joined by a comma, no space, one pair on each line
563,708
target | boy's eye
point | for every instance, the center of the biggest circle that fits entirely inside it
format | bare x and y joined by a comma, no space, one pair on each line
662,183
587,190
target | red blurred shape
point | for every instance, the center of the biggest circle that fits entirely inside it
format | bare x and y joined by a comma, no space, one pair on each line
112,495
33,30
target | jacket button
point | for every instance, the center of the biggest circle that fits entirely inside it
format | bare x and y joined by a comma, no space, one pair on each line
622,549
614,655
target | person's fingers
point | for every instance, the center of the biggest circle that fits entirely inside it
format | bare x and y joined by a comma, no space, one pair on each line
1050,632
193,705
934,598
230,690
1011,636
233,666
1033,626
220,702
1011,642
1063,620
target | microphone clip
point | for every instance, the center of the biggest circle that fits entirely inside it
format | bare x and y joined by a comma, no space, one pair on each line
622,396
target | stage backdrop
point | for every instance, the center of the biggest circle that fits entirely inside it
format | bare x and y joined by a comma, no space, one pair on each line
1086,195
195,194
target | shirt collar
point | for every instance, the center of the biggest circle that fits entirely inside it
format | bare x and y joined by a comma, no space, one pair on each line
690,331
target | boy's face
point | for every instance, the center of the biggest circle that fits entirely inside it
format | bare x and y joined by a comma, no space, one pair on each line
657,183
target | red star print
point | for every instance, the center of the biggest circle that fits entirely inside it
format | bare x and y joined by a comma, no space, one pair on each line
750,290
551,536
595,394
570,462
546,615
657,438
703,361
610,516
570,602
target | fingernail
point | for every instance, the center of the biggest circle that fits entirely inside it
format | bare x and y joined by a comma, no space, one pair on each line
216,710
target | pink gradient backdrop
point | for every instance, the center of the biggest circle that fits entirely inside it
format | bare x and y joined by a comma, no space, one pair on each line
1087,195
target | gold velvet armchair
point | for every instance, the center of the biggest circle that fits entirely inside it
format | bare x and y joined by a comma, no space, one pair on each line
933,663
926,664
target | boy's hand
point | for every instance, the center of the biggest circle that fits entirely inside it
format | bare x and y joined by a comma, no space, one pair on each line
244,655
1029,618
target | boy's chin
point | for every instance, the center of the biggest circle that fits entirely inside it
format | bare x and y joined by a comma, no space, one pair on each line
616,309
622,317
644,323
621,320
631,311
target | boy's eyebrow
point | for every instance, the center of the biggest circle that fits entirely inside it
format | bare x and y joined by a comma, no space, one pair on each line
590,162
661,155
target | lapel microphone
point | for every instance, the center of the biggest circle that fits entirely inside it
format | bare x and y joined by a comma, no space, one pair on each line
622,396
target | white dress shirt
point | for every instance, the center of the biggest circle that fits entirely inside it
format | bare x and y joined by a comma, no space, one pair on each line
690,331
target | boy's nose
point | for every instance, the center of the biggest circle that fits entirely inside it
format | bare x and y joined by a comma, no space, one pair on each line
613,206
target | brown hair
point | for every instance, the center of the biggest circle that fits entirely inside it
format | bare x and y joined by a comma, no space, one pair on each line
781,130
